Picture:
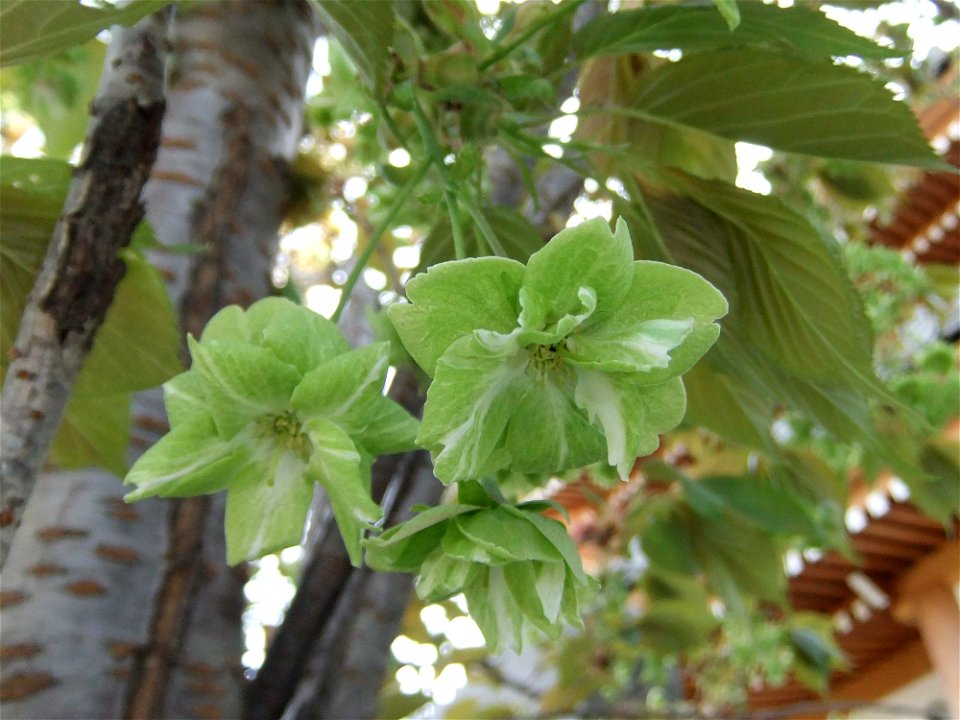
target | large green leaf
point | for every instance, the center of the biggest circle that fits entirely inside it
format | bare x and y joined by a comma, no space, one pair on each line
29,30
136,348
365,30
691,28
784,101
94,431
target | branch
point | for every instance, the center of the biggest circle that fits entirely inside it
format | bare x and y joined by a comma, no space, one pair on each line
81,269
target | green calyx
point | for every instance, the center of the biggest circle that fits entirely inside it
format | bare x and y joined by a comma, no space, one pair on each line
570,359
275,403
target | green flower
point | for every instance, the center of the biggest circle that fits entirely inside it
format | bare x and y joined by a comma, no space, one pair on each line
518,570
558,364
274,402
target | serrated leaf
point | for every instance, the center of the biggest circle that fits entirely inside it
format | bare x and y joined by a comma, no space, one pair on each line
26,34
786,102
365,30
665,27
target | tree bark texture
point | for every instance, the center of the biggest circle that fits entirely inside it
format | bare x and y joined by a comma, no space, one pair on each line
128,611
81,269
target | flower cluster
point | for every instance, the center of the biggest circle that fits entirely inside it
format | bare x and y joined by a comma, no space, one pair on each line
556,364
275,401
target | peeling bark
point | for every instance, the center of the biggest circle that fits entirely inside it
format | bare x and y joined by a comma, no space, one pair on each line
81,269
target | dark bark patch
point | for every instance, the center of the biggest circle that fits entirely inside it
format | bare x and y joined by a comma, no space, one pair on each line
206,711
47,570
119,649
7,517
201,668
9,598
23,685
19,651
205,687
86,588
88,269
119,510
118,554
120,673
56,534
145,422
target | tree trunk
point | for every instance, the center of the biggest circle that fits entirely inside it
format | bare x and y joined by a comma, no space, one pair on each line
127,611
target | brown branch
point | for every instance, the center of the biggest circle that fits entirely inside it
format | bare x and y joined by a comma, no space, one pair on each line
81,270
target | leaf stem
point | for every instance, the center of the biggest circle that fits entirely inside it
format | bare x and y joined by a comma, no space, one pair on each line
528,33
402,196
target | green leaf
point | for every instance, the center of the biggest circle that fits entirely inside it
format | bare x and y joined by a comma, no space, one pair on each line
241,382
663,328
365,30
786,102
469,404
793,296
729,11
26,34
336,464
189,460
138,345
31,199
451,300
587,255
94,431
801,29
631,413
267,506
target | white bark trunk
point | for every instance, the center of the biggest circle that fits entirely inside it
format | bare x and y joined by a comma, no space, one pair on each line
128,611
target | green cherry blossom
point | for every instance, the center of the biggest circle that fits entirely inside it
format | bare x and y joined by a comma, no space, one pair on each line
574,358
519,571
276,402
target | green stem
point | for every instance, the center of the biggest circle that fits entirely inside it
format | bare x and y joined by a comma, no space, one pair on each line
402,196
432,146
528,33
492,241
459,247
